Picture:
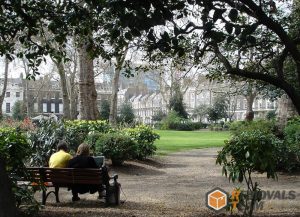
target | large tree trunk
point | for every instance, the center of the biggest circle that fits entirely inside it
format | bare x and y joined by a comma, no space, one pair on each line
73,98
115,86
114,98
26,99
64,90
87,91
285,110
4,85
249,113
7,199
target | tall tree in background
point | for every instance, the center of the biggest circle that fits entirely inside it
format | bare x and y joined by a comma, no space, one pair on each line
64,88
3,92
104,110
120,58
176,102
126,113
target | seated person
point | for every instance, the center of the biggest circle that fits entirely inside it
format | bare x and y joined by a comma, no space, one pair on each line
61,158
84,160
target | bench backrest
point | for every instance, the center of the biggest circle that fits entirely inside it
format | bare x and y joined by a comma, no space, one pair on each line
67,176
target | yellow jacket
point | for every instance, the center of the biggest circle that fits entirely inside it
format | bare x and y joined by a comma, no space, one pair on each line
59,159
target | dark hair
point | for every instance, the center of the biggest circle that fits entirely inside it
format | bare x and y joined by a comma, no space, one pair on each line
62,145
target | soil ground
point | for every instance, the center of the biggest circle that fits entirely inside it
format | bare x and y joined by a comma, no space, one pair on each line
174,185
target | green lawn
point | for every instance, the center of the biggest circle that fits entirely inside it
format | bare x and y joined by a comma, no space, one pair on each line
173,141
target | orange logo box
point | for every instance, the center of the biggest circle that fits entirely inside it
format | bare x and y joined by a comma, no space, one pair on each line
217,199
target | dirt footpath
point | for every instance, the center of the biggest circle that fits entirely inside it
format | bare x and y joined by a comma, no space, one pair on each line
174,185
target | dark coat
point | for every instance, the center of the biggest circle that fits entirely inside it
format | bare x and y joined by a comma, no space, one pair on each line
84,162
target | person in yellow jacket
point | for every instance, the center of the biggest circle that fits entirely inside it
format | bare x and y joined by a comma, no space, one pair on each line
61,158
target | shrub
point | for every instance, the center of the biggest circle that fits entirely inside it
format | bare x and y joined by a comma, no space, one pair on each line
245,153
126,114
288,153
44,139
91,140
18,111
78,130
174,122
14,150
117,147
238,127
271,115
145,138
170,120
198,125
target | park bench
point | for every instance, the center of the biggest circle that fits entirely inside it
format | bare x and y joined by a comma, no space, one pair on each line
45,177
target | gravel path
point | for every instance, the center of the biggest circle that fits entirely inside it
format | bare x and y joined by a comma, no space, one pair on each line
173,185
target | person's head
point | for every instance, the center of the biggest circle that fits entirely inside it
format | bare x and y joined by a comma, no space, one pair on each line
62,145
83,149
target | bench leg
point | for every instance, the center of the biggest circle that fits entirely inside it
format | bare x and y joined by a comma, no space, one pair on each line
107,195
44,197
56,194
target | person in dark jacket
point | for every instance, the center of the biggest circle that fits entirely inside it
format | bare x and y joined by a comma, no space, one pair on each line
83,160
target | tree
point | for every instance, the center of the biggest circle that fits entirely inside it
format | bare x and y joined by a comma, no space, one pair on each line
176,102
218,110
126,113
104,110
159,116
223,29
4,84
18,111
120,58
200,112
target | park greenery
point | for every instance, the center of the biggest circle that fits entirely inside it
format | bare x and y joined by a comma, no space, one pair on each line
258,146
31,144
241,40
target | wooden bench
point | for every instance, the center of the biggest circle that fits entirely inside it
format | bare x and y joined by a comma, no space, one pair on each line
67,177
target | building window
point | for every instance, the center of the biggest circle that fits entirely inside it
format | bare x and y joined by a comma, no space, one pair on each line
35,107
8,107
61,108
53,107
44,107
7,94
17,94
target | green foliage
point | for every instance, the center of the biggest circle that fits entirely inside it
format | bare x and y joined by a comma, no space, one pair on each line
145,138
200,112
117,147
249,151
15,150
218,110
171,118
104,110
18,111
159,116
176,102
126,114
239,127
271,115
245,153
91,140
77,130
174,122
288,153
44,139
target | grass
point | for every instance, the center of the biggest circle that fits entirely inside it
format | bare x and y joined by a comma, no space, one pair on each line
174,141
